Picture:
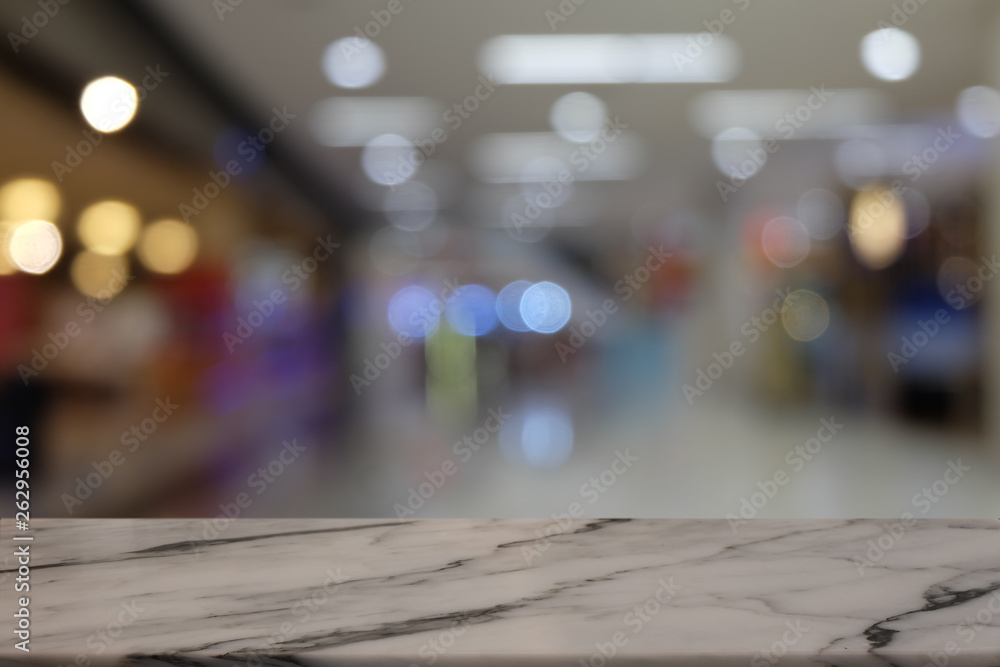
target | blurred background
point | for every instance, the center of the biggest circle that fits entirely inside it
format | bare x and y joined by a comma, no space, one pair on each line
437,258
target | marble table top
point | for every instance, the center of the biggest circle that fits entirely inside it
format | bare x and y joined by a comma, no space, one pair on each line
559,591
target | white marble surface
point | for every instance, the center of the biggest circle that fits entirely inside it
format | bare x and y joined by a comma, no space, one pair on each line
489,592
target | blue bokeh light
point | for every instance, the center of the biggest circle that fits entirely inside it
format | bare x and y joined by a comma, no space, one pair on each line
546,307
473,310
414,311
509,305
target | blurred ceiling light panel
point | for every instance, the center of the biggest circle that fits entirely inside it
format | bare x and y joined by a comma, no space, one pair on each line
789,114
509,305
168,246
109,103
34,246
29,199
109,227
473,311
353,63
979,111
877,227
806,315
390,159
513,157
738,152
785,241
411,206
890,54
822,212
546,307
670,58
578,117
354,121
414,311
97,275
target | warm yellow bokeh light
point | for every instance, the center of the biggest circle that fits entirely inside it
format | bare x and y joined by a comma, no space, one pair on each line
877,227
109,227
806,315
34,246
109,103
168,246
29,199
7,266
99,276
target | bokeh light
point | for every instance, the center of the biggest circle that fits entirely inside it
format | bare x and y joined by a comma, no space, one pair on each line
509,305
411,206
877,227
546,307
414,311
978,111
7,267
958,282
168,246
109,227
29,199
785,242
34,246
578,116
806,315
97,275
388,159
890,54
738,152
473,310
540,436
109,103
353,63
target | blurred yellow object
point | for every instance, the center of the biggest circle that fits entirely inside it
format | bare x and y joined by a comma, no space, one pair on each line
877,226
168,246
109,227
99,276
29,199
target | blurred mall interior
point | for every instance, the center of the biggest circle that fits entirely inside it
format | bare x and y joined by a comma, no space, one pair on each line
430,258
